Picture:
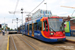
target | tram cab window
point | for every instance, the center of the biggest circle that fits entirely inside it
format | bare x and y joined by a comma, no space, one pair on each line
45,24
35,26
40,26
30,26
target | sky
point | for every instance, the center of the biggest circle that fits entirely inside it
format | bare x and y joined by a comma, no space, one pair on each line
28,5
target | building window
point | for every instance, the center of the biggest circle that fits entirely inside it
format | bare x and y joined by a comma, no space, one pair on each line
73,21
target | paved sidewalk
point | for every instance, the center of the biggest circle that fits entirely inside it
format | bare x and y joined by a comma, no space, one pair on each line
70,38
3,42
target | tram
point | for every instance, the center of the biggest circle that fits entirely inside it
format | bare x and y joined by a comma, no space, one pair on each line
48,29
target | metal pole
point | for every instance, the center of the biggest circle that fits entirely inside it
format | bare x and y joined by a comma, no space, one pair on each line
46,5
4,23
17,24
22,18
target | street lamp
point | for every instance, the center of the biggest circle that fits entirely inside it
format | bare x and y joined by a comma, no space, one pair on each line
22,18
46,5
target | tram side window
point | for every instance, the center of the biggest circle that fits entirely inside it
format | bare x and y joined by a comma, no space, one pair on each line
35,26
23,27
30,27
27,27
40,26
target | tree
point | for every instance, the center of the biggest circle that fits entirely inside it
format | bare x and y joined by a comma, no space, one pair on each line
11,29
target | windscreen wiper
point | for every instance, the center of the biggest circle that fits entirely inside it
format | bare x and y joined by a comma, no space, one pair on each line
52,29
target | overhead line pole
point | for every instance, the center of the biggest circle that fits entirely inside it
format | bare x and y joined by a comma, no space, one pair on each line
16,22
22,15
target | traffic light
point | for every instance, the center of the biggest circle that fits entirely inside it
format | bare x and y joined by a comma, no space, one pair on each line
0,25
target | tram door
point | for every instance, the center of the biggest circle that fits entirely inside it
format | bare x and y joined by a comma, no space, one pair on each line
28,29
33,29
45,27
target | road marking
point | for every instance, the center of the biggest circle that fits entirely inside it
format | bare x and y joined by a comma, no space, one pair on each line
8,44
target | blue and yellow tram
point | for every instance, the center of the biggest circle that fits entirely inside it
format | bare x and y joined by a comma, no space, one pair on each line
48,29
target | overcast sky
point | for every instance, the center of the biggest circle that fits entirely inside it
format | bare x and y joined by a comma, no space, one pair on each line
29,5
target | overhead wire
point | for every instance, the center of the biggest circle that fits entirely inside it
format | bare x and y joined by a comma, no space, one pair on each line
36,6
15,9
16,6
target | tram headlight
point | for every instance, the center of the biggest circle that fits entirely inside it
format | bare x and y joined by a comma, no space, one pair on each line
51,33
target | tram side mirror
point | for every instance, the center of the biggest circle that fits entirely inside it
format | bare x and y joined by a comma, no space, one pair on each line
45,21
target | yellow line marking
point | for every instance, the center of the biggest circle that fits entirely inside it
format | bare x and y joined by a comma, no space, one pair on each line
70,40
8,44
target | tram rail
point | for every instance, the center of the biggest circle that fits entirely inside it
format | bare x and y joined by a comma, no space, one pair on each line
26,43
34,44
16,44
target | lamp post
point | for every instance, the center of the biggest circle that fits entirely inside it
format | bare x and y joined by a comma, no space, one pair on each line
17,24
46,5
22,18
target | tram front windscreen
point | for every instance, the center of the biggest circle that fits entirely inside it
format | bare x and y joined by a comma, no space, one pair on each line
56,24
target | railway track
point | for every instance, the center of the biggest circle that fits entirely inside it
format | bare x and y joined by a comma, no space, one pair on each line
40,45
14,43
22,45
58,45
65,45
28,43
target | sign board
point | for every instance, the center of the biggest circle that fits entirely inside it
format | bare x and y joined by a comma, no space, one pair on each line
67,26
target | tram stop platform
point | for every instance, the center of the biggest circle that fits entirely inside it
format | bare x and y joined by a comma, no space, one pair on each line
70,38
3,41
